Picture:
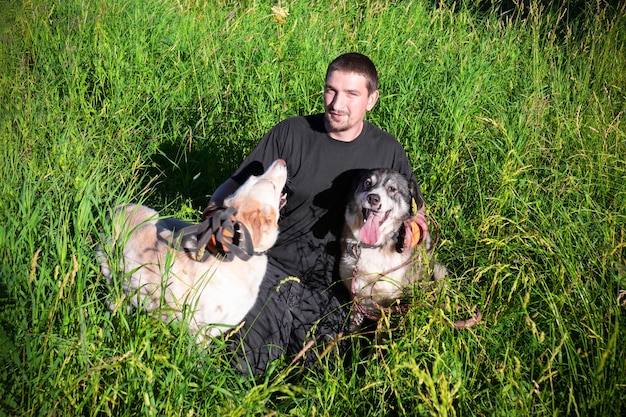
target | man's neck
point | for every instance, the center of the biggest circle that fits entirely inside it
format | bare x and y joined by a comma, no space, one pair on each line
346,135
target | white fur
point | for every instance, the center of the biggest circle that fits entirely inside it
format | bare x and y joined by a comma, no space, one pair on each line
160,276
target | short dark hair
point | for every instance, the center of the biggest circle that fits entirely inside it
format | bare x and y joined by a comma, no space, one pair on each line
357,63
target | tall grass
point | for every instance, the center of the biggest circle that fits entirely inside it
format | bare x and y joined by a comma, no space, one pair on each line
514,128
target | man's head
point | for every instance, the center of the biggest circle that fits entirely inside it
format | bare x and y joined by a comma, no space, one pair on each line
351,90
358,64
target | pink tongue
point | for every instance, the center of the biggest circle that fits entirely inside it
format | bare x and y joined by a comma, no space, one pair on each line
369,231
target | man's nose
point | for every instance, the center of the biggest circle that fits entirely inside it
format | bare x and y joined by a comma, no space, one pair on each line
338,101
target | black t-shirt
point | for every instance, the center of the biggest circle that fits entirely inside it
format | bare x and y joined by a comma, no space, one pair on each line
322,173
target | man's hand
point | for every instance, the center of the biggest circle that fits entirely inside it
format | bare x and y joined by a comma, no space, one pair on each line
420,220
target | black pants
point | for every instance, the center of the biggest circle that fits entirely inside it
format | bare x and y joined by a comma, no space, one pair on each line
286,316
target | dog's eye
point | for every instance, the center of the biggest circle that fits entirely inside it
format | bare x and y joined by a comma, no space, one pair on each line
368,182
391,189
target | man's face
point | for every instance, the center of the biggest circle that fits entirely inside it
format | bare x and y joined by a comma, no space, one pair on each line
346,100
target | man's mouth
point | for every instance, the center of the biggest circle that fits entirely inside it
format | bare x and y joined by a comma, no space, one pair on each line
336,114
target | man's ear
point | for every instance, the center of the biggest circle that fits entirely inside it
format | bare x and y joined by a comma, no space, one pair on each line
372,99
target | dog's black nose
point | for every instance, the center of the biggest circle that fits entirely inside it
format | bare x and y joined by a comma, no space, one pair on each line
373,199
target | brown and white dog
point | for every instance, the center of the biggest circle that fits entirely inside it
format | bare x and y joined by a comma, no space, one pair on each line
384,252
157,268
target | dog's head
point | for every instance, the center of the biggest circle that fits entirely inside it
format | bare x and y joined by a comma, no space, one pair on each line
382,201
258,202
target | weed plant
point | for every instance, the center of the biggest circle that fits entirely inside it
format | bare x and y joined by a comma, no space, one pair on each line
513,124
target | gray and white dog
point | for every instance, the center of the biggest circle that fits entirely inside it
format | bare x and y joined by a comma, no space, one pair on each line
383,249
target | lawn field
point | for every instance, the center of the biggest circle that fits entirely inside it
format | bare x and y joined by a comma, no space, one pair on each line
513,119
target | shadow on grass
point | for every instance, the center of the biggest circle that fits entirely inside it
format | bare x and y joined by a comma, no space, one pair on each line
192,169
520,9
567,13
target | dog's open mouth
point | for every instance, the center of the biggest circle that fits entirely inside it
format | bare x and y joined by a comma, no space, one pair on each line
282,201
372,220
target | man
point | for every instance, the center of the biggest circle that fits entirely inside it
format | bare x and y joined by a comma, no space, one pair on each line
299,303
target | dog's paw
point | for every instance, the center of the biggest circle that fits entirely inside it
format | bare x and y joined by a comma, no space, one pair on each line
439,271
356,321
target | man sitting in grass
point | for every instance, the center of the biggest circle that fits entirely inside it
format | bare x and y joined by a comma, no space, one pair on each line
300,307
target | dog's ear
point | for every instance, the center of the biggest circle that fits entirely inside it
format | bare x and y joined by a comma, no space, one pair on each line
417,200
359,176
259,222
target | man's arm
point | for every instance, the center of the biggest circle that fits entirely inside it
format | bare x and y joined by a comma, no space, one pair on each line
227,188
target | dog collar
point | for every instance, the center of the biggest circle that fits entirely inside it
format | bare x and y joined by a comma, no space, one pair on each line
354,248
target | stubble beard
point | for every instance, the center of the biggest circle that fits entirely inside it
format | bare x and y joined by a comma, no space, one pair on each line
334,126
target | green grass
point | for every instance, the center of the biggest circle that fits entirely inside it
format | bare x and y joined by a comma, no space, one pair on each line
515,131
